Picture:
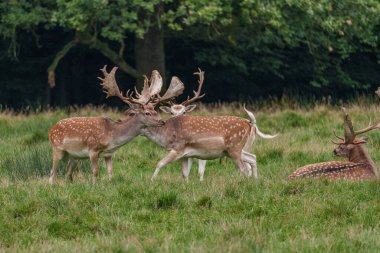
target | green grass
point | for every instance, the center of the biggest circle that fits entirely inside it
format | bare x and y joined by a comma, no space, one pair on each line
225,213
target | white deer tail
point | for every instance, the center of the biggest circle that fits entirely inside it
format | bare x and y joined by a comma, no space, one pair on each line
253,123
264,136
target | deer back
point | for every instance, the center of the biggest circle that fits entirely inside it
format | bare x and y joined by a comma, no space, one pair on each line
335,170
91,131
181,131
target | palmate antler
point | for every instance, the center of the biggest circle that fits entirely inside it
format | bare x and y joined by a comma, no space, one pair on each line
111,88
147,94
349,133
175,89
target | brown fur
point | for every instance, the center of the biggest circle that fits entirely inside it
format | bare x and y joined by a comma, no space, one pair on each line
97,137
202,137
359,167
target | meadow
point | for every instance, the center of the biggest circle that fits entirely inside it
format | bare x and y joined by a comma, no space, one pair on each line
225,213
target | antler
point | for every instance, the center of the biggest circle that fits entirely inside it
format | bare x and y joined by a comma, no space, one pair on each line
197,95
175,89
147,94
349,133
340,138
110,87
368,128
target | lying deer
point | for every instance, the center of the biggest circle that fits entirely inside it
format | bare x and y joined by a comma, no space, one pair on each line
204,137
187,106
100,137
360,166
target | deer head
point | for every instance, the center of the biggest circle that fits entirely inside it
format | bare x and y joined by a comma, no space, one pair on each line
186,106
142,106
350,140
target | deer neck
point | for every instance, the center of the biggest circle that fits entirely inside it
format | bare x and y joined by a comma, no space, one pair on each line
166,135
157,134
360,155
125,130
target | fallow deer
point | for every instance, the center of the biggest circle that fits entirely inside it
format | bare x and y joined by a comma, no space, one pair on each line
100,137
360,166
205,137
187,106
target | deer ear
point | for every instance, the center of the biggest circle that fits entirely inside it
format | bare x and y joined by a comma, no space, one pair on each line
361,140
189,108
165,109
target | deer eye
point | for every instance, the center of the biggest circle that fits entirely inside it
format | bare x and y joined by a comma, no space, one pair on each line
132,114
148,114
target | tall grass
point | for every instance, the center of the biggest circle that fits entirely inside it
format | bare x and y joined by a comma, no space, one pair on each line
23,164
226,212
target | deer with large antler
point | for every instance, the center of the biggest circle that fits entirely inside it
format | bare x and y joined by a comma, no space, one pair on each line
100,137
360,166
203,137
188,106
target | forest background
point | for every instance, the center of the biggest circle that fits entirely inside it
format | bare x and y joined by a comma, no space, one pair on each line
51,50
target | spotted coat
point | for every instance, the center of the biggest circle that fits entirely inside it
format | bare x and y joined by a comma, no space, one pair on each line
335,170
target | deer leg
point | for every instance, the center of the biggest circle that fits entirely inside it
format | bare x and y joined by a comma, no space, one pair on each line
57,156
95,166
109,166
251,164
69,169
201,168
171,156
78,165
237,158
189,163
185,168
248,168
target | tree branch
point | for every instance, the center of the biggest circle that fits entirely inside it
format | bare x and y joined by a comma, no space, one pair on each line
105,50
122,47
57,58
116,58
102,47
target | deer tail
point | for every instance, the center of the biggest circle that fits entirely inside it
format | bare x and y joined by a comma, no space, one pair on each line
253,123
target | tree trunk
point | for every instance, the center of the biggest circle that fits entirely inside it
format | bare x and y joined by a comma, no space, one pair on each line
149,52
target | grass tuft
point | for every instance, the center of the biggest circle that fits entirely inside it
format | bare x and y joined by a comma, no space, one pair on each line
167,201
205,202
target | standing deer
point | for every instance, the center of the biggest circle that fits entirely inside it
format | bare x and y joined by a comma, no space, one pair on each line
204,137
360,166
100,137
187,106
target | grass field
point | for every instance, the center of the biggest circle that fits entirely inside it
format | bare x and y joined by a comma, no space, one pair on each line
225,213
